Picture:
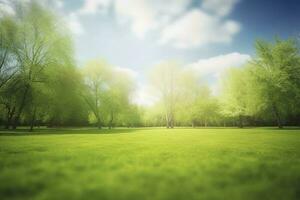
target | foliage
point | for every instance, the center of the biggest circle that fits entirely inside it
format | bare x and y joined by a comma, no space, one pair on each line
268,86
41,84
40,54
107,94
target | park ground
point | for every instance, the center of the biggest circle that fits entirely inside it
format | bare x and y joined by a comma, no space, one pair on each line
151,164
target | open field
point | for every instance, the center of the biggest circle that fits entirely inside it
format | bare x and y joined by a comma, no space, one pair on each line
151,164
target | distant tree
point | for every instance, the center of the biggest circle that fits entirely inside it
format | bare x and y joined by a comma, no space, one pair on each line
194,96
152,115
107,93
117,97
64,102
207,110
164,77
235,93
132,116
96,73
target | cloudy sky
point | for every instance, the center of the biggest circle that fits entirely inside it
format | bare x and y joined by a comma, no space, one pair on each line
206,35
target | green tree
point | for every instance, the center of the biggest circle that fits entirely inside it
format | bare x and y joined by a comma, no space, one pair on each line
96,73
194,95
117,97
8,39
164,78
235,94
38,52
277,75
42,45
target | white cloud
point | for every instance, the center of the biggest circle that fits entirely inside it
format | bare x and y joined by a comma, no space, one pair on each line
94,6
89,7
145,96
172,19
130,72
59,4
74,24
139,13
177,25
6,8
197,28
216,65
147,15
219,7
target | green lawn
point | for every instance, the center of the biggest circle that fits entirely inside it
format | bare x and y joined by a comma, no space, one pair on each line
151,164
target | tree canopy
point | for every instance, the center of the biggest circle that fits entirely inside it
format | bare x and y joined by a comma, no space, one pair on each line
41,83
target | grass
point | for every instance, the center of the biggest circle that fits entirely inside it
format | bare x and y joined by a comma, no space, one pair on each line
150,164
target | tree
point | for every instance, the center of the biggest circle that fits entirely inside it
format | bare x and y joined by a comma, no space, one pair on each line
39,48
206,110
108,92
277,73
163,77
63,101
96,75
37,52
8,39
235,93
132,116
117,97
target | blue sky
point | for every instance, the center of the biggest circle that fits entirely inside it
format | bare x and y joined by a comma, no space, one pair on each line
103,36
206,35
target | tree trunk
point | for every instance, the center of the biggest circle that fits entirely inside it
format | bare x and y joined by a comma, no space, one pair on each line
167,121
99,124
172,120
277,116
241,125
32,122
22,104
111,120
10,114
7,124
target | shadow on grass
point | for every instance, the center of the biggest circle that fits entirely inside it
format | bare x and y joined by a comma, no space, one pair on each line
24,131
285,128
64,131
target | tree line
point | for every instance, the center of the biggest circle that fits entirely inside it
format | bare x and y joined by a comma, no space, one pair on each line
264,92
41,84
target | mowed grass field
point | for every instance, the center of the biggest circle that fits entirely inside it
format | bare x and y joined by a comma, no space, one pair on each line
151,164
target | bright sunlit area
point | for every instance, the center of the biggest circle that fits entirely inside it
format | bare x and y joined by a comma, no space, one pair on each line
149,99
